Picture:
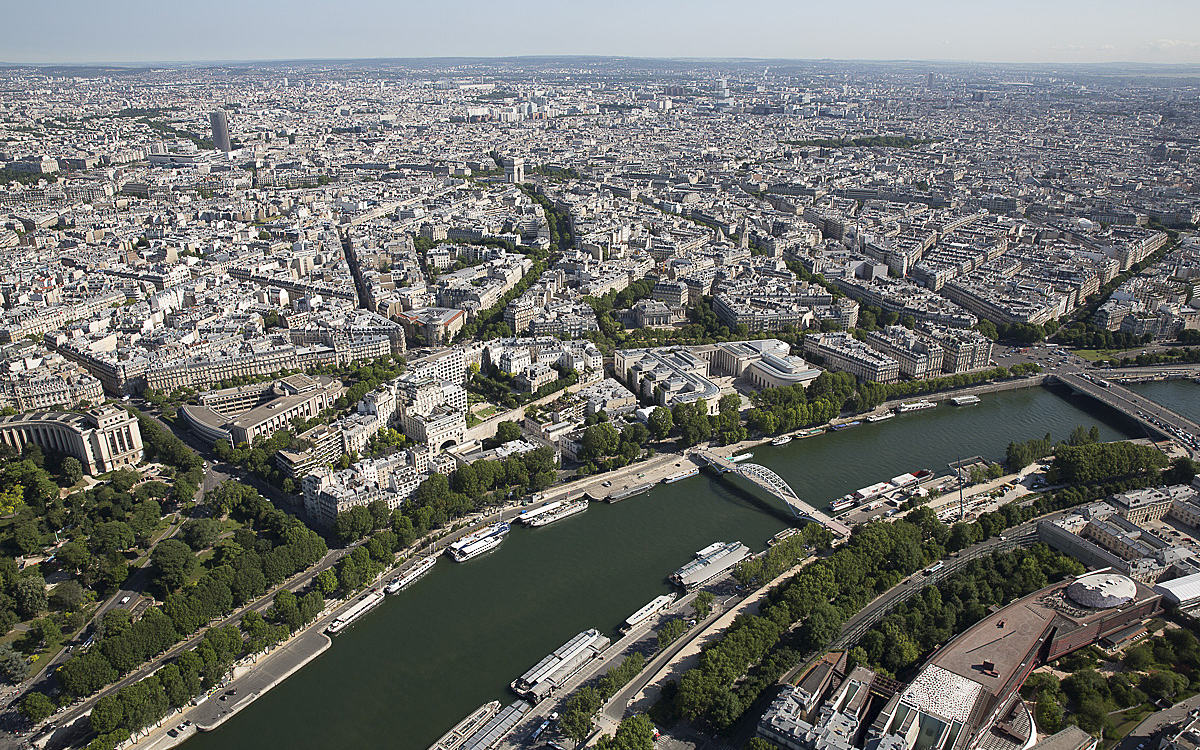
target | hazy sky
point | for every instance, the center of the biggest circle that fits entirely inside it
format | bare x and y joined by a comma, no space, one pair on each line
1001,30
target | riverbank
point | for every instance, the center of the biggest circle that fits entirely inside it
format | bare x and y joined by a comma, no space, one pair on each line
640,639
255,681
248,684
651,471
482,622
942,397
689,656
665,464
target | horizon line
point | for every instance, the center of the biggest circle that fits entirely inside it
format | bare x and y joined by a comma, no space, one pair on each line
138,64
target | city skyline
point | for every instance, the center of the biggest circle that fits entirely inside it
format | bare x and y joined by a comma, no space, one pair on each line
933,30
818,336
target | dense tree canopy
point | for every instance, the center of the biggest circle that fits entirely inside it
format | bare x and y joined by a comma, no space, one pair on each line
660,422
1102,461
633,733
270,547
200,533
171,563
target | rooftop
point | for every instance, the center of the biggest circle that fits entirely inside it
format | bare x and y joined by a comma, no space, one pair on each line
1102,590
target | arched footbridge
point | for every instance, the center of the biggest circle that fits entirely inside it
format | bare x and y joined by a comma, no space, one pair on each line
774,484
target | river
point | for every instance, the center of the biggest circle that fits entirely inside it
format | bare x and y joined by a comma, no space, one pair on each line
419,663
1180,396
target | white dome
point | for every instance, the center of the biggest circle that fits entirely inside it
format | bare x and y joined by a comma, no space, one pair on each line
1102,590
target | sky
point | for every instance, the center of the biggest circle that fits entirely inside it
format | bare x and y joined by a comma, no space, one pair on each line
1021,31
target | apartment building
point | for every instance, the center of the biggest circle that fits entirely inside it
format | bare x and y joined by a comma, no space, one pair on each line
844,353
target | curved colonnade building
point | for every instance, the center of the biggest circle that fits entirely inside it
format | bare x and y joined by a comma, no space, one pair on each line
103,438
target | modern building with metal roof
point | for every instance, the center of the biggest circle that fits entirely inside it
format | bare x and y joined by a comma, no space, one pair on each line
965,697
1182,592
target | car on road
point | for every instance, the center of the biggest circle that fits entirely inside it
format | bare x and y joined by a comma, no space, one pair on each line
124,600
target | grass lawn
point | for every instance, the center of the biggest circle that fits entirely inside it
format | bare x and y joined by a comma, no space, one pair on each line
40,660
1095,355
1124,722
487,412
202,567
40,657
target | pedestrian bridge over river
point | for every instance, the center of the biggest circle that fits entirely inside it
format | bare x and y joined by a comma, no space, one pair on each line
774,484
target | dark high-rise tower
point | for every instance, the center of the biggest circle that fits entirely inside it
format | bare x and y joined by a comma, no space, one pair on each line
220,129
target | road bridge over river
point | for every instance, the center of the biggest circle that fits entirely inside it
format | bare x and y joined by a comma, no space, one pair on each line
1153,416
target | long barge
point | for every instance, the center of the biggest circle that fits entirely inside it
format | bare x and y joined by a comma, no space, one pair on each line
361,607
453,739
528,516
785,534
550,673
421,568
686,474
658,604
497,727
627,493
710,562
563,510
480,542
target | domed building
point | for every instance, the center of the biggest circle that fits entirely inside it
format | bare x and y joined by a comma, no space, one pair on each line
1102,590
965,697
